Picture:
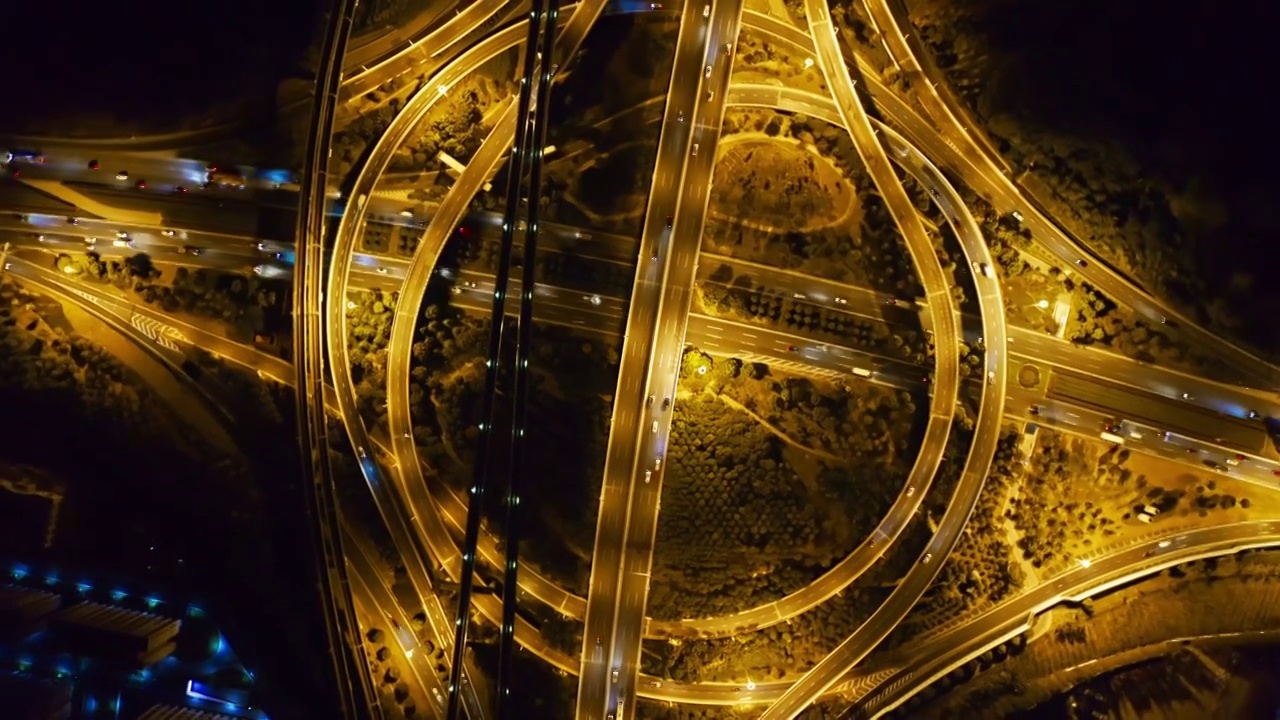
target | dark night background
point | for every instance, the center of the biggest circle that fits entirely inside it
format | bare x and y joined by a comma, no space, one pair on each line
152,63
1187,88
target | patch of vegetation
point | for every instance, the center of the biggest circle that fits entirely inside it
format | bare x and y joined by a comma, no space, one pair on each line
778,186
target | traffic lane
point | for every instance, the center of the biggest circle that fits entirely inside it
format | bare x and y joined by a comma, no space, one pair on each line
1227,399
1149,439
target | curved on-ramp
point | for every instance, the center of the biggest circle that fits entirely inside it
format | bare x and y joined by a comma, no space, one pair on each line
939,655
946,386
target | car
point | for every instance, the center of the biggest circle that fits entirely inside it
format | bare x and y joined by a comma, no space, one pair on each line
927,558
728,48
93,165
841,301
657,463
91,241
1143,517
1035,409
695,150
258,245
1276,473
707,73
191,250
1234,461
648,475
394,623
122,175
360,451
710,94
666,402
180,189
73,221
911,491
406,213
1253,415
41,238
706,10
670,221
648,401
799,296
1016,215
655,426
121,243
167,233
985,269
1188,396
141,184
122,233
991,377
657,683
382,271
792,348
615,674
34,156
1082,263
680,116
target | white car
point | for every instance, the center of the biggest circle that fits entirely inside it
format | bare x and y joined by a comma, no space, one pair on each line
121,243
985,269
710,94
706,10
657,463
707,73
655,426
927,558
122,234
841,301
1016,215
695,149
911,491
991,377
122,175
799,296
648,475
615,674
167,233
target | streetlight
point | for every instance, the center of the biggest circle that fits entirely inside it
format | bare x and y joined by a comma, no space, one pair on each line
444,89
1084,563
1042,304
808,63
751,685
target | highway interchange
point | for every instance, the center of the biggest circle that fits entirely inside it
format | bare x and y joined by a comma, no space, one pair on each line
175,222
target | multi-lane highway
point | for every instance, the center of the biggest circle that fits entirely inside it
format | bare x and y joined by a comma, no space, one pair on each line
699,78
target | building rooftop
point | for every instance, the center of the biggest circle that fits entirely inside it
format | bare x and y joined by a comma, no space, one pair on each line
116,620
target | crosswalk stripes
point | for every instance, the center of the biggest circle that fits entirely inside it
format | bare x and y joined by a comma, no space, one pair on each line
158,332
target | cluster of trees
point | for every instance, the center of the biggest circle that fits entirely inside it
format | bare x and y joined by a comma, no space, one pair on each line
777,652
738,526
1100,321
742,297
777,185
369,316
446,376
982,569
455,126
831,141
387,675
754,53
1045,510
863,424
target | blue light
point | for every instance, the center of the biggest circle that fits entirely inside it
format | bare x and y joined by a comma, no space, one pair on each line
152,602
83,587
118,595
194,611
51,578
19,572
